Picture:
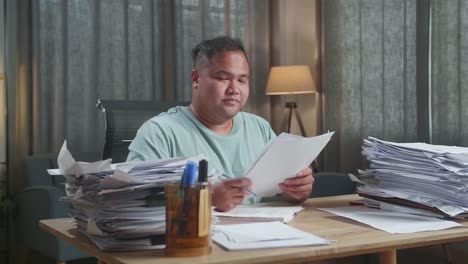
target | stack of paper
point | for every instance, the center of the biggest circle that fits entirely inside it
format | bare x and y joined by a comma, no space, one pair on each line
258,213
416,175
263,235
119,206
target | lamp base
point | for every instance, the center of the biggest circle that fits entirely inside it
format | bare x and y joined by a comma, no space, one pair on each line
291,107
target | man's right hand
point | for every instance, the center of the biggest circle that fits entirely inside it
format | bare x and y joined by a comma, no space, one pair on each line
229,193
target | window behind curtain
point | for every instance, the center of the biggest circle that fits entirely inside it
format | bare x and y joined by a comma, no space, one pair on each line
115,49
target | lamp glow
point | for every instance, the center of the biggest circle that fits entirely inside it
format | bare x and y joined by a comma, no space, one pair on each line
289,80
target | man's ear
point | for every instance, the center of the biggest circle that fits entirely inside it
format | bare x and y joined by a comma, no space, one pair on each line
195,78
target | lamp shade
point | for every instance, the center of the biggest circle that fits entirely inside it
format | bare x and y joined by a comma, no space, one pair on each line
290,80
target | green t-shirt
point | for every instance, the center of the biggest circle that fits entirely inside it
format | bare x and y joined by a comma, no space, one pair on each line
178,133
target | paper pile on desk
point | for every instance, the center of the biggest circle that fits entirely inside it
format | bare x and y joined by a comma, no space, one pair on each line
431,178
119,206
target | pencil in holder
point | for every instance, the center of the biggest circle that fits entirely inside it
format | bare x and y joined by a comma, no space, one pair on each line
188,220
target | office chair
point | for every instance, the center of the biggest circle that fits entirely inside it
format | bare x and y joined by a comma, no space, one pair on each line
122,119
331,184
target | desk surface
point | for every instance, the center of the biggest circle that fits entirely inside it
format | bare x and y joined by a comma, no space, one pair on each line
351,238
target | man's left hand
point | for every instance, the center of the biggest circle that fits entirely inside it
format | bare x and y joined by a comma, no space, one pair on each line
297,189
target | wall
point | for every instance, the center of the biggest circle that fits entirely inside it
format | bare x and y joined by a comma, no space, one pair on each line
299,45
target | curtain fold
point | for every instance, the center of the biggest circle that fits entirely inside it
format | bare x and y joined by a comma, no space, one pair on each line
80,50
449,68
19,76
369,76
376,74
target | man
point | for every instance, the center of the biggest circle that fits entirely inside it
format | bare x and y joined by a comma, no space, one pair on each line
214,125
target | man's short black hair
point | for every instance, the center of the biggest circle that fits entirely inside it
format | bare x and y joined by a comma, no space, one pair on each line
211,47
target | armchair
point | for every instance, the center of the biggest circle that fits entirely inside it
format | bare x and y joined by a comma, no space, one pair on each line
40,199
331,184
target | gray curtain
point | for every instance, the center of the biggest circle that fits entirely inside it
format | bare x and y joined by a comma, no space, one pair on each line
369,76
126,49
379,82
449,72
80,50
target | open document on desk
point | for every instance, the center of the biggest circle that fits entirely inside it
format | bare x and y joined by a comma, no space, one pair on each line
391,222
282,158
263,235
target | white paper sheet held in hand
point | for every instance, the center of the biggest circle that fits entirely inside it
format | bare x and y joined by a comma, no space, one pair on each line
282,158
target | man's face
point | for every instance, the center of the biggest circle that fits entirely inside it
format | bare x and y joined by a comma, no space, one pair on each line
221,86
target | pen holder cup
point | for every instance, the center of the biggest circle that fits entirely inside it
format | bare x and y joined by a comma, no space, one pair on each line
188,220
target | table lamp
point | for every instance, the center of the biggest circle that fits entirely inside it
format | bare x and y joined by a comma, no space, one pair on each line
290,80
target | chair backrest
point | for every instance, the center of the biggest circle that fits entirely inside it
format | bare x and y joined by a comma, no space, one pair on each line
122,120
331,184
35,169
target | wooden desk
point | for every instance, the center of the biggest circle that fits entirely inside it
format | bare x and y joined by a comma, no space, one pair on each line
351,238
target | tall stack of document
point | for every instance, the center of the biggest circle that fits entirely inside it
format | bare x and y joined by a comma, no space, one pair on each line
119,206
415,178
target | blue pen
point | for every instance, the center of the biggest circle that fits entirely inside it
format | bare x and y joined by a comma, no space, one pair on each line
242,186
191,173
189,206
